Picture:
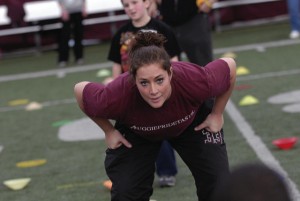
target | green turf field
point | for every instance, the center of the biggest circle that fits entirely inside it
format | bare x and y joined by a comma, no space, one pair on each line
74,170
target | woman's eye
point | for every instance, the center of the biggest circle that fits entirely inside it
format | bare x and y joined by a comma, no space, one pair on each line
160,80
143,83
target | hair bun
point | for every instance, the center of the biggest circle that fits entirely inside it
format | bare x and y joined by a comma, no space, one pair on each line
147,47
148,37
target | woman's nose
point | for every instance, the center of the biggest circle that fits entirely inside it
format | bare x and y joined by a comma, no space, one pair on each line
153,89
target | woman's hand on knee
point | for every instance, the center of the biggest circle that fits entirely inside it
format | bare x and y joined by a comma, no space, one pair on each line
213,123
114,139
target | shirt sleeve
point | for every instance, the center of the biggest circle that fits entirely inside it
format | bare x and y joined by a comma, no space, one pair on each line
200,83
107,101
218,77
94,101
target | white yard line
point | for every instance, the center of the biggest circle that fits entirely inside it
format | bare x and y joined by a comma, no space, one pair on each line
259,147
54,72
257,46
269,75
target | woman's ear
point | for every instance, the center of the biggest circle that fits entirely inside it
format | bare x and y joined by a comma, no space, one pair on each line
171,72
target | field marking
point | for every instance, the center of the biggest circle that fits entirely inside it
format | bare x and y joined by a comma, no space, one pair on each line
59,71
56,72
83,129
257,46
269,75
262,152
76,185
23,76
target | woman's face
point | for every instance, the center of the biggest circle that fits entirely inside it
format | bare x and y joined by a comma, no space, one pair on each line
154,84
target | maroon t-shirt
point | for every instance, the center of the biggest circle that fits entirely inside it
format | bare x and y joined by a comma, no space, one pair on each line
191,85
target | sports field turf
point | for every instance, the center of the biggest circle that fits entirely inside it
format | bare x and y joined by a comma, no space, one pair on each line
74,170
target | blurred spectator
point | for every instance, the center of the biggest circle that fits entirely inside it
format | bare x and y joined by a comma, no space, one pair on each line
190,20
253,182
16,12
72,14
294,12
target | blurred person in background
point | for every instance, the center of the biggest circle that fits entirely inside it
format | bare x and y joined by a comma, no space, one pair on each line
16,12
72,14
190,21
294,14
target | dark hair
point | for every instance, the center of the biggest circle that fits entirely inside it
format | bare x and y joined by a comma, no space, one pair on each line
147,48
253,182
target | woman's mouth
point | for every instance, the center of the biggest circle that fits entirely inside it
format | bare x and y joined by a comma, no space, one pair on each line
155,100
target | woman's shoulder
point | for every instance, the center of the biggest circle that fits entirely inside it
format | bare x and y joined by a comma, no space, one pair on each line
186,71
123,83
184,65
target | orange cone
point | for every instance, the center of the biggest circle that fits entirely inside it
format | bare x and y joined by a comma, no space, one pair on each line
107,184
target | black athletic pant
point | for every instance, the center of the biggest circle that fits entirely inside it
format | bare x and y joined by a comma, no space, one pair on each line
194,38
72,28
132,170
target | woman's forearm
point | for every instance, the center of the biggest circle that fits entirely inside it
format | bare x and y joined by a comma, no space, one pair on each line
104,124
221,101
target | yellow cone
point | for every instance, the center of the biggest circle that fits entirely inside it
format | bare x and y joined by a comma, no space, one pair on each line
242,70
248,100
31,163
107,184
18,102
229,54
17,184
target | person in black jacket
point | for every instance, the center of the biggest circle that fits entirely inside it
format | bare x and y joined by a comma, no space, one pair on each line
190,21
